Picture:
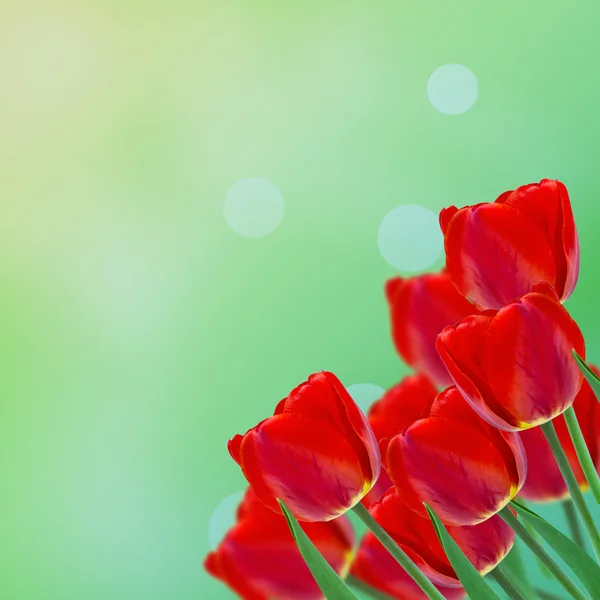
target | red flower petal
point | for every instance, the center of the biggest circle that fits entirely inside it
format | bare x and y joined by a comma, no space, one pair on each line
306,463
452,405
547,204
323,397
420,309
485,544
528,360
401,405
416,535
494,254
376,567
545,482
459,347
453,467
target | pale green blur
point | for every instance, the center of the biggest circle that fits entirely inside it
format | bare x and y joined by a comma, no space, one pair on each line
139,332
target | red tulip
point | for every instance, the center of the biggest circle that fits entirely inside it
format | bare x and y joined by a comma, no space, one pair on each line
376,567
420,307
515,366
496,251
401,406
460,465
544,482
398,408
259,560
485,544
317,452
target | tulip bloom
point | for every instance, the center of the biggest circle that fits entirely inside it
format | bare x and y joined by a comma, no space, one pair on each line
496,251
464,468
376,567
398,408
401,406
317,452
515,366
420,307
485,544
544,482
259,560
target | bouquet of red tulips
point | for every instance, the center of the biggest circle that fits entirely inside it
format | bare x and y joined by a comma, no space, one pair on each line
439,478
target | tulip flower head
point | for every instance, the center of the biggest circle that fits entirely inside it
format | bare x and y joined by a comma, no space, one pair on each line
398,408
420,307
485,544
544,481
515,366
259,560
376,567
464,468
317,453
496,251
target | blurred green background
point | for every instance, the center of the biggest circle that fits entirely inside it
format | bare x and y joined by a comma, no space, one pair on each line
139,331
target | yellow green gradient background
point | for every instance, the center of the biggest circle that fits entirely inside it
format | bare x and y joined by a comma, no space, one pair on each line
138,332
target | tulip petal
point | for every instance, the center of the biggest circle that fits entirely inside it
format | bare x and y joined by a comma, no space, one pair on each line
459,347
415,535
306,463
486,543
323,397
474,584
528,362
376,567
547,204
419,311
402,405
453,467
494,255
451,404
544,482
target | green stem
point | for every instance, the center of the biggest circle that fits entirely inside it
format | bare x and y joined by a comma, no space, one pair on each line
583,453
512,567
500,577
552,566
576,494
366,588
403,560
573,522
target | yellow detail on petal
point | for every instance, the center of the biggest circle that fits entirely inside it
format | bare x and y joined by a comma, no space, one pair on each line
348,560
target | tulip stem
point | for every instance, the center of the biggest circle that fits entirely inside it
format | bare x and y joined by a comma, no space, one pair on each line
401,557
573,522
583,452
504,581
576,494
552,566
367,589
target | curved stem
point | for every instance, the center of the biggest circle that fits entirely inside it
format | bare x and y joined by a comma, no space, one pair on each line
552,566
366,588
501,578
573,522
583,452
576,494
401,557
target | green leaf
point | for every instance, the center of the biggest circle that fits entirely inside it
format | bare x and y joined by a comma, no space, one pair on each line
583,565
473,582
514,567
591,377
327,579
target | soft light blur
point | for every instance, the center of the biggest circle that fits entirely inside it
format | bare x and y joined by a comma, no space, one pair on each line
139,331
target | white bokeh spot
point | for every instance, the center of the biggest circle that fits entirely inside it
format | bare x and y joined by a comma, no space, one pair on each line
409,238
223,519
253,207
364,394
452,89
